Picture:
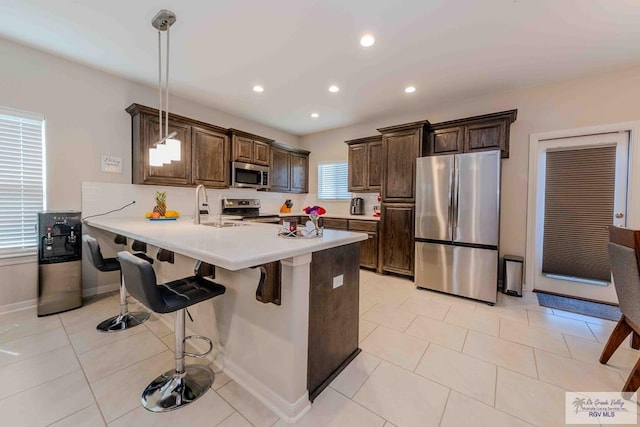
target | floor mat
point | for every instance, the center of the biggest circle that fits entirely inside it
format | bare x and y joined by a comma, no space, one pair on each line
588,308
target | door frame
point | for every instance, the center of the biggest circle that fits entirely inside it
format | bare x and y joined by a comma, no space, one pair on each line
633,196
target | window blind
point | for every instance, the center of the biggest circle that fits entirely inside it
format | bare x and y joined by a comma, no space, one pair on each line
332,181
579,197
21,181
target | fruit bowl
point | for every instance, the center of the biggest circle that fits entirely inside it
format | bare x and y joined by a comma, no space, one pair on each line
168,216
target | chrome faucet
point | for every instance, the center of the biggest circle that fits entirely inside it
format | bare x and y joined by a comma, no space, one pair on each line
196,217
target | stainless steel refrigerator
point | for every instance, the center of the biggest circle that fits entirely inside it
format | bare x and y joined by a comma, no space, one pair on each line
458,224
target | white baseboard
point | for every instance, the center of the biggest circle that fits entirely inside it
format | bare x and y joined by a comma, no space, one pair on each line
17,306
289,412
23,305
102,289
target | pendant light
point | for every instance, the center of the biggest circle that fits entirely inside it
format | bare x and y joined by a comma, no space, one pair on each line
167,148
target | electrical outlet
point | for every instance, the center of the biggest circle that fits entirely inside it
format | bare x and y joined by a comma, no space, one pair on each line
338,281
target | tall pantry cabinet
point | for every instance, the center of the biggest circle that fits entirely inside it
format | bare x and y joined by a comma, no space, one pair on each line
401,146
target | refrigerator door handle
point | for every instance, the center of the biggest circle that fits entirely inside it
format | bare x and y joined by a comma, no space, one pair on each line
451,208
454,196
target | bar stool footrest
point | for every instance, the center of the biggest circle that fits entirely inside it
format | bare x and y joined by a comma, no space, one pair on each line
173,390
123,321
199,337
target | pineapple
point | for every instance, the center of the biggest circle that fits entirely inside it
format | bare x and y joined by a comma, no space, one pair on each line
161,203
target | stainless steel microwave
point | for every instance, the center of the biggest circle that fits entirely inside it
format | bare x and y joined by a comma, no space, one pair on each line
247,175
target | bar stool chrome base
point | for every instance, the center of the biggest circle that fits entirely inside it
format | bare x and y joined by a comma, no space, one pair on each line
123,321
172,390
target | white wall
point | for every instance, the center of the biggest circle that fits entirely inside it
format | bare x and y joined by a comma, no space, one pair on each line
85,118
605,98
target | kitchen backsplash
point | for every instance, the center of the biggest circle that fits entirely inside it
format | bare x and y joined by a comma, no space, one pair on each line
342,207
100,197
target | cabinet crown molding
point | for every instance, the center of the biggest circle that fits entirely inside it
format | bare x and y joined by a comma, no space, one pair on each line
366,139
290,148
134,109
510,115
244,134
405,126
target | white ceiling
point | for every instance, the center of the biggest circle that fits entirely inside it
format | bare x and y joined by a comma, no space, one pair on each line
450,50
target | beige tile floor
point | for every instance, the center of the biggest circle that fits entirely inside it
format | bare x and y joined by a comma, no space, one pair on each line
428,359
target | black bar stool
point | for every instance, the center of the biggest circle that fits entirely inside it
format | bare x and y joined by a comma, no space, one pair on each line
125,319
184,384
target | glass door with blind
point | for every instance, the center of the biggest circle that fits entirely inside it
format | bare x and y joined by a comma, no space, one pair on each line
582,189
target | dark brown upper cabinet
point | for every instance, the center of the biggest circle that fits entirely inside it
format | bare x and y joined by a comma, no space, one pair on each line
204,157
447,141
374,163
211,151
400,148
478,133
299,173
289,169
249,148
174,173
365,164
280,170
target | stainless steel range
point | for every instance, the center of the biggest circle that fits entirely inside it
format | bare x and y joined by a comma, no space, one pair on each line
248,209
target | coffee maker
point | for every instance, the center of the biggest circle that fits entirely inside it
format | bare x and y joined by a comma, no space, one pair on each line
357,206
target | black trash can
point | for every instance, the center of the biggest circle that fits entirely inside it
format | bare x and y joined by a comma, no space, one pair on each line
512,275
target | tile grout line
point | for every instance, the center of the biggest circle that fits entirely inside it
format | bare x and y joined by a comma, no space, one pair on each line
120,416
367,379
39,354
32,334
102,345
231,415
444,407
363,383
79,410
84,374
421,357
509,342
496,397
128,366
236,409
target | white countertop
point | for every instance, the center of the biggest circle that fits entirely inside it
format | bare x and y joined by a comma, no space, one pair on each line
232,248
341,216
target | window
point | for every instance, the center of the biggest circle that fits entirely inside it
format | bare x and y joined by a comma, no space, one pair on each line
332,181
21,181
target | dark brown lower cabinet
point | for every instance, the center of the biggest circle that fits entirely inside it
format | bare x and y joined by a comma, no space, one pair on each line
369,247
369,251
333,315
397,241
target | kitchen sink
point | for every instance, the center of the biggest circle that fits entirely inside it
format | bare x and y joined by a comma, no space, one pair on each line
224,224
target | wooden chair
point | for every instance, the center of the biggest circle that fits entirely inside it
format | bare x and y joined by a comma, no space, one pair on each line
624,253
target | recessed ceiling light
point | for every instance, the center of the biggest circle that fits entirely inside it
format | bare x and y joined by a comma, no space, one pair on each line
334,89
409,89
258,88
315,115
367,40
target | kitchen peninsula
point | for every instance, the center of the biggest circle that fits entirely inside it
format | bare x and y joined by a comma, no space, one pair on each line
285,350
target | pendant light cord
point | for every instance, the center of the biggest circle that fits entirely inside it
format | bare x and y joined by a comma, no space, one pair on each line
166,122
160,84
